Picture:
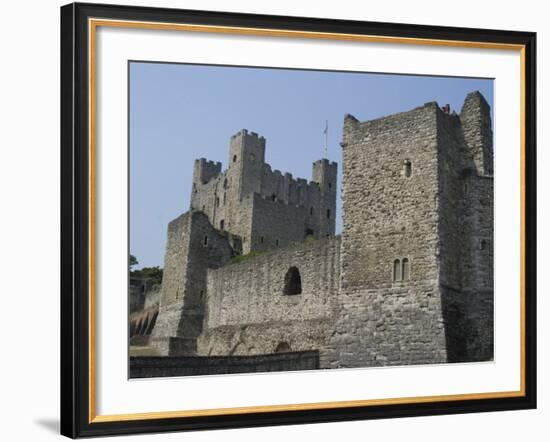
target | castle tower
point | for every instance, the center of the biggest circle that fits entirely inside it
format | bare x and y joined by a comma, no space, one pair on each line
325,174
475,117
246,160
203,172
410,219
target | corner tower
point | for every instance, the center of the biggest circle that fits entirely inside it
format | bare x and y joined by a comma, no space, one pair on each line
246,160
325,174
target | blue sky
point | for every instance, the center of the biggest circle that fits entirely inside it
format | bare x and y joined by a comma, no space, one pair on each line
182,112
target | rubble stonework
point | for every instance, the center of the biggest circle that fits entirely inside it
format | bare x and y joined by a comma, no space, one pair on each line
254,267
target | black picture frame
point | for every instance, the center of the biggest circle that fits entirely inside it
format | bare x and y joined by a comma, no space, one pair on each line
76,403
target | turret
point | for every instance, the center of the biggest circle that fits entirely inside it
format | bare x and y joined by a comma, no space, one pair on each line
204,170
475,117
246,159
325,174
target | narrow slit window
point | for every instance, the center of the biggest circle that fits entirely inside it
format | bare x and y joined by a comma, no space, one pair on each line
397,270
407,168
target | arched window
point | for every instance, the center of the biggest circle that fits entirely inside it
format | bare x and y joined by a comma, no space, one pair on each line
397,270
407,168
406,270
282,347
293,282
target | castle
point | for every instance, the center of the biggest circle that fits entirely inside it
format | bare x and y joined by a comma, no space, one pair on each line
254,267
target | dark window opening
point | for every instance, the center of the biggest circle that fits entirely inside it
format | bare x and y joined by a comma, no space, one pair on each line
407,168
234,158
309,232
273,197
261,239
203,208
311,211
217,201
205,241
293,282
483,244
224,199
222,223
328,213
277,242
397,270
225,183
330,185
282,347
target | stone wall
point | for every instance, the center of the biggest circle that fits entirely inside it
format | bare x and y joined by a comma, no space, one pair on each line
222,195
409,282
412,194
246,303
390,304
147,367
193,246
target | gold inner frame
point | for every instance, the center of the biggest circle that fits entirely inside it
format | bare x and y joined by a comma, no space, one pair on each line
93,24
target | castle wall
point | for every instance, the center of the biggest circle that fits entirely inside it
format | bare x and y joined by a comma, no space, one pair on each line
227,197
275,224
193,246
390,205
409,282
245,301
386,214
466,236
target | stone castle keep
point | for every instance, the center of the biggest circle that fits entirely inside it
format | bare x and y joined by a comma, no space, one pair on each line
254,266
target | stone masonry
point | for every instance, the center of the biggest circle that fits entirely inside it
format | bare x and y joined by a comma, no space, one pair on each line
254,266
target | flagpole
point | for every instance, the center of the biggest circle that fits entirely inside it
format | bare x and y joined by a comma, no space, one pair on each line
326,139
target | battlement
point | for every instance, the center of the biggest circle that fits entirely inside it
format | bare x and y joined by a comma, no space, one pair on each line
246,198
245,132
205,170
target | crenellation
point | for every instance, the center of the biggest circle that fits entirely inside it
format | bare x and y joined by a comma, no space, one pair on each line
256,265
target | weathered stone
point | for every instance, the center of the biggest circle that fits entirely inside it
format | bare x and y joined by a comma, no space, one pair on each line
410,280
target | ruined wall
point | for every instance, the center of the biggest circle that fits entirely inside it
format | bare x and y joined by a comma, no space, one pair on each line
248,312
390,204
466,231
193,245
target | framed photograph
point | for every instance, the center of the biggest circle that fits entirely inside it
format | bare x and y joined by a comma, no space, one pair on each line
274,220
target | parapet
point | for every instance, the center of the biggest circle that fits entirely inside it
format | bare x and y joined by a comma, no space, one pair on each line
205,170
